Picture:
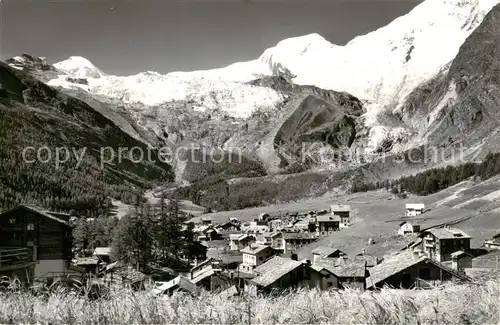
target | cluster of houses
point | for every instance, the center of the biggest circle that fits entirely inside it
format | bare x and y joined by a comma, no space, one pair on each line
286,233
258,257
36,248
269,263
440,255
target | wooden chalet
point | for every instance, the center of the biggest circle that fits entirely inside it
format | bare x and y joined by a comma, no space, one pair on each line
103,254
327,224
119,275
412,270
35,242
277,274
296,240
440,243
327,252
494,242
350,274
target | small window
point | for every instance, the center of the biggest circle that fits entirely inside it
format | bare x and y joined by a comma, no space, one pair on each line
12,221
30,226
330,284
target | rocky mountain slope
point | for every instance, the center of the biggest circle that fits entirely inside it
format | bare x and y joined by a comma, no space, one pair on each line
459,107
50,150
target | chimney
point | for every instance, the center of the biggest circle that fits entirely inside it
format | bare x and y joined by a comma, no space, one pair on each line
295,257
316,258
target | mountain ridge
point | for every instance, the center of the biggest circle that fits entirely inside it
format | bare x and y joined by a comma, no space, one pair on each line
393,90
36,116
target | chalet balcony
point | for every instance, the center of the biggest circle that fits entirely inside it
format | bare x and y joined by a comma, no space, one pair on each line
12,258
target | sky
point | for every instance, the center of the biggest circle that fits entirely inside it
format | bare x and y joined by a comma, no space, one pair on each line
129,36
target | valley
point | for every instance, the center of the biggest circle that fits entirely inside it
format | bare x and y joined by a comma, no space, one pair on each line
471,206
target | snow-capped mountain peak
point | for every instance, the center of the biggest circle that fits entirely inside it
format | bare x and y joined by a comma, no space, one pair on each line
79,67
382,67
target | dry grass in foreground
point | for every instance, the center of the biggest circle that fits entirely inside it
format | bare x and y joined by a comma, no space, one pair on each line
471,304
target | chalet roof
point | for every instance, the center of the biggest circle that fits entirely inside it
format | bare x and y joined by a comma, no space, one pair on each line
240,275
340,208
254,249
328,218
245,236
102,251
353,268
298,235
201,228
417,242
325,250
447,233
317,267
401,262
230,257
273,270
321,250
227,223
415,206
272,234
86,261
483,274
235,236
126,272
59,217
304,221
205,262
370,260
180,281
151,269
208,273
345,269
77,268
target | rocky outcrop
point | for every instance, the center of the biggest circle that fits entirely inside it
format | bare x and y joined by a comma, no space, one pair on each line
460,106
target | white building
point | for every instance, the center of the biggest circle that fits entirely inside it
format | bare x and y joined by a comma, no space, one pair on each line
276,224
343,212
239,241
255,255
414,209
406,228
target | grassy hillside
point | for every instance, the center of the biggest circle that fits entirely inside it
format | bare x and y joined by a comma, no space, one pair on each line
221,195
474,205
472,304
35,115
